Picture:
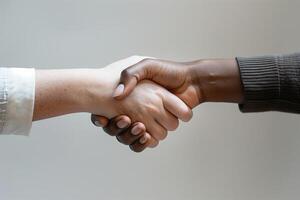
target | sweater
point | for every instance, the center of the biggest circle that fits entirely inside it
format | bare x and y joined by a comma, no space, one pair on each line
270,83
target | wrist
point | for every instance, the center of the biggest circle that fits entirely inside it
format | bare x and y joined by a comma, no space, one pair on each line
97,86
218,80
57,92
80,82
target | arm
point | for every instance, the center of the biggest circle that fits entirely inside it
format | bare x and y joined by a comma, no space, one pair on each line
59,92
28,95
183,80
211,80
257,84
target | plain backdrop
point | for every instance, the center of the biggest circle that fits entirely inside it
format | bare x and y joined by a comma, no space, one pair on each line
221,154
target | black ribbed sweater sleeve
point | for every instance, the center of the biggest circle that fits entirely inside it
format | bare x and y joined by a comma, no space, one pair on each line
270,83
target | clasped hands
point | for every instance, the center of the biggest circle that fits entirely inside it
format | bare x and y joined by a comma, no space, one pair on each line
146,99
137,99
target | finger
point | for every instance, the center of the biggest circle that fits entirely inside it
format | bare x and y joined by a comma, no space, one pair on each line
143,143
131,76
167,120
135,132
99,121
156,130
177,107
151,141
117,125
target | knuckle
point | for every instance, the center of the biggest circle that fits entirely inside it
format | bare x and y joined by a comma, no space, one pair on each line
125,73
123,140
119,140
147,60
152,109
126,142
109,131
93,119
136,149
112,129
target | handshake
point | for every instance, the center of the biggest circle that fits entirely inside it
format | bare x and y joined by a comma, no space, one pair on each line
150,98
137,99
146,97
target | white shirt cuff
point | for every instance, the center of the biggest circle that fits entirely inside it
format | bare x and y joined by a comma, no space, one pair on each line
20,88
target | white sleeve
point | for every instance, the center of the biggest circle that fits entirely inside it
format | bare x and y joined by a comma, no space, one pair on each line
17,92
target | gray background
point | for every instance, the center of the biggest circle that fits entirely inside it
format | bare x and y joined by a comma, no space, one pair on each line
220,155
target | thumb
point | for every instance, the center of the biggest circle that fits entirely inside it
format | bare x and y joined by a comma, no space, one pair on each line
126,85
131,76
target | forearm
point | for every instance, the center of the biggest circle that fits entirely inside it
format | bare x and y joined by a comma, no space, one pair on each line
57,92
258,84
60,92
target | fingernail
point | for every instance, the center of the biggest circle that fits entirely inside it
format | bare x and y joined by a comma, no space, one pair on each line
144,139
122,124
136,130
98,124
119,90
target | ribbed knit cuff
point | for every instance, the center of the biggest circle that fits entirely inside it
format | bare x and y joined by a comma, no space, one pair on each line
270,83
